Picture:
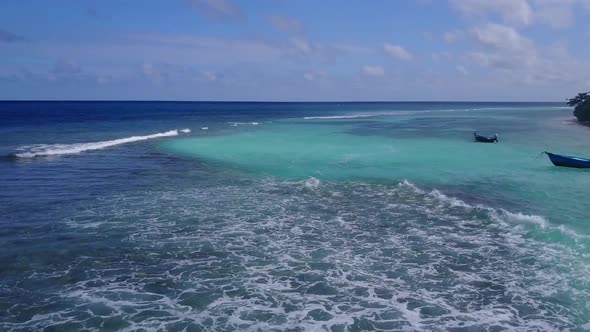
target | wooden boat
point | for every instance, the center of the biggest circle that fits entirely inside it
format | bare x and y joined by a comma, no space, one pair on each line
483,139
568,161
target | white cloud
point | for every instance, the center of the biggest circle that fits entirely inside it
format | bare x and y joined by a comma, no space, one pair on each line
462,70
103,80
512,11
397,52
301,44
187,49
219,9
151,73
287,24
123,58
352,48
452,36
373,71
502,47
314,75
503,61
210,76
516,58
66,70
66,67
502,37
441,56
555,13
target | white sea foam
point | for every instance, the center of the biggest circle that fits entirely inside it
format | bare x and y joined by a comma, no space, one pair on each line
63,149
235,124
494,213
361,115
277,256
498,215
376,114
408,184
330,117
397,113
520,108
312,183
524,218
452,201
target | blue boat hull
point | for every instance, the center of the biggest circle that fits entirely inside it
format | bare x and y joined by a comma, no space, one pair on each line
568,161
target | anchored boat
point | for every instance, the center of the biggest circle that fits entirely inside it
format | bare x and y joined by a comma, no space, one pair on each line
483,139
568,161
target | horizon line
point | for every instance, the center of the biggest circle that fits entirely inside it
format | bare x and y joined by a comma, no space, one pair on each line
270,101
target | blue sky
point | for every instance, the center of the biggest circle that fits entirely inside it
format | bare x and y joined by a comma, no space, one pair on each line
281,50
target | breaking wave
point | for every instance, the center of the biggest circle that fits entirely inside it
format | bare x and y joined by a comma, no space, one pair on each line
376,114
361,115
498,215
394,113
235,124
43,150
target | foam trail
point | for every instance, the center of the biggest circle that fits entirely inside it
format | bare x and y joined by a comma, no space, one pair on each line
375,114
61,149
235,124
328,117
368,115
522,108
355,116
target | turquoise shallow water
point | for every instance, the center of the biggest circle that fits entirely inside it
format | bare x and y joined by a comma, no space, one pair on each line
292,217
434,149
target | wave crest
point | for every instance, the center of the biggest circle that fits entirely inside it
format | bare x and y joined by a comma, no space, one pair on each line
361,115
494,214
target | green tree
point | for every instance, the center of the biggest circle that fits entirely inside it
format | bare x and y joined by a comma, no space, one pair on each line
581,104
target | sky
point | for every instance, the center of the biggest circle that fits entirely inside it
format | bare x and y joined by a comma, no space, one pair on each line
294,50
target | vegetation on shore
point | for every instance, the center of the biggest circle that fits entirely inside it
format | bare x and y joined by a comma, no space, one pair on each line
581,104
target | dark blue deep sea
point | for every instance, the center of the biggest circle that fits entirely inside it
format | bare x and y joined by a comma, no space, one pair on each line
202,216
